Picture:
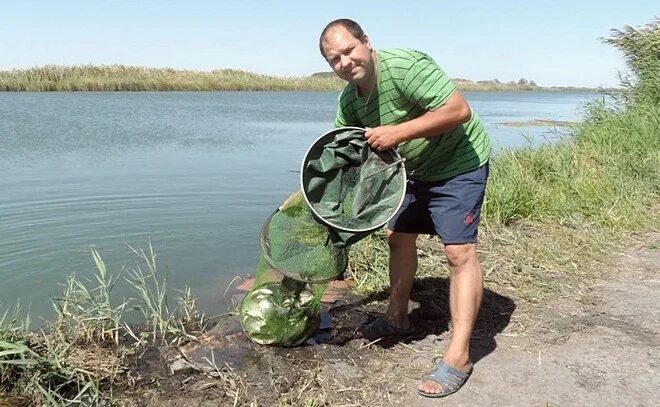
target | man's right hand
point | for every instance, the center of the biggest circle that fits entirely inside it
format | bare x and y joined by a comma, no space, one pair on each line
383,138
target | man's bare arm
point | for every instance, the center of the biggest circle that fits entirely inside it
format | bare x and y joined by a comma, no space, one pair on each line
454,112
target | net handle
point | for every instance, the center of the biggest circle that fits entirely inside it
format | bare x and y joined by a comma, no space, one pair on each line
387,167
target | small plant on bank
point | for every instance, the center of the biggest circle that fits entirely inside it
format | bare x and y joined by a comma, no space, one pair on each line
164,323
151,295
86,315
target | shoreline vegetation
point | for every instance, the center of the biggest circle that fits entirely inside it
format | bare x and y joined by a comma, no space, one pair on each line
133,78
553,217
539,123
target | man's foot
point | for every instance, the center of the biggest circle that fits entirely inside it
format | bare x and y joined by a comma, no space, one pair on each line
380,328
443,379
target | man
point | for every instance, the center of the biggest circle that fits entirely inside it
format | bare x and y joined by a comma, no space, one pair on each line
407,102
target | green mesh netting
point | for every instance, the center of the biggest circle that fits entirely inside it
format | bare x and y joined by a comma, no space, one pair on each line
296,244
298,258
352,188
348,191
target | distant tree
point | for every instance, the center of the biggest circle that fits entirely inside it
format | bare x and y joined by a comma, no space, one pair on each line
532,83
523,82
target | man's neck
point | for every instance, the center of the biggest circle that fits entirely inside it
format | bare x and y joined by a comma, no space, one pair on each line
364,90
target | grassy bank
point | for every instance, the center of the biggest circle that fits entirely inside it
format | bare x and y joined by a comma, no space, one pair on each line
552,216
132,78
84,352
539,123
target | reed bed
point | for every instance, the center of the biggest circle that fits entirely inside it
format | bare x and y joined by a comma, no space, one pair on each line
133,78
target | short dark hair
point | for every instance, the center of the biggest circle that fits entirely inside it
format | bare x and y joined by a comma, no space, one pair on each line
350,26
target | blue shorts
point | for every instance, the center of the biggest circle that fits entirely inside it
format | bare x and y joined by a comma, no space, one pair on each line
449,208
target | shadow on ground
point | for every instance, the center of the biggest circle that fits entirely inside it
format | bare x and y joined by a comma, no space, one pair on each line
429,316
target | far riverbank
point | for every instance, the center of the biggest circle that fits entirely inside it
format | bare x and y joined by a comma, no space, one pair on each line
134,78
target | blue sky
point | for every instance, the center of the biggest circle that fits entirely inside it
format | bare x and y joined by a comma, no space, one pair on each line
551,42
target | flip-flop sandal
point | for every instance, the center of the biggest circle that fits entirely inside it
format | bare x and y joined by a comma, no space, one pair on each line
446,376
380,328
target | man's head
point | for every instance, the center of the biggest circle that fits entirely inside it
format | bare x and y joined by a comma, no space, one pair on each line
348,51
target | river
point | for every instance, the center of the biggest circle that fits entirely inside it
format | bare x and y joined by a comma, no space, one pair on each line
194,173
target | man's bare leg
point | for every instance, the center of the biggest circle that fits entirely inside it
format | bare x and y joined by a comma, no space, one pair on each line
403,265
465,294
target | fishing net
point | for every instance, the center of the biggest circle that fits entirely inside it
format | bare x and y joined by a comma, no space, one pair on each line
350,187
348,191
300,247
284,313
298,258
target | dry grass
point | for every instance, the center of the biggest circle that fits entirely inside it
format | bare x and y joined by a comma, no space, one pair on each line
530,261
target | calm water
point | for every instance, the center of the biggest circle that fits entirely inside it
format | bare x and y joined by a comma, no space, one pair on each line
194,173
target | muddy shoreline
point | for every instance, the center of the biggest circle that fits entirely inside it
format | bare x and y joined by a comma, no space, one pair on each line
566,352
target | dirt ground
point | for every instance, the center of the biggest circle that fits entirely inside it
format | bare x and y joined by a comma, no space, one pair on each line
599,351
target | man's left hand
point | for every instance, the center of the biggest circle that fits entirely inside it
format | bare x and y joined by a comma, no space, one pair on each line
382,137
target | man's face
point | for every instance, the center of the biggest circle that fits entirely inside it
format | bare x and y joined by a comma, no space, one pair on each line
350,58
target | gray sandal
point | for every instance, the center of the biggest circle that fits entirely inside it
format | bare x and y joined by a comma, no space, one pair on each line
449,378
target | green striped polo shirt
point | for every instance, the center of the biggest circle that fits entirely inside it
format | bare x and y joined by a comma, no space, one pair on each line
409,83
